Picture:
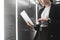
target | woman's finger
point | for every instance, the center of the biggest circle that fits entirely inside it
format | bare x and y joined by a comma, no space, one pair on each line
28,24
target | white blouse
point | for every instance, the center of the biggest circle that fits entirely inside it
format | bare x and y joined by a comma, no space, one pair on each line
45,13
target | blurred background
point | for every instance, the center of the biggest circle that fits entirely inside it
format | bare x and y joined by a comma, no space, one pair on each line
24,32
10,19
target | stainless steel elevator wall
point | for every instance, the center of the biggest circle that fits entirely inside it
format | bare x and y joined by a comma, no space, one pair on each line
25,32
10,19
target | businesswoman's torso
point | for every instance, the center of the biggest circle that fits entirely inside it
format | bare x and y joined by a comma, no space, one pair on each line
54,25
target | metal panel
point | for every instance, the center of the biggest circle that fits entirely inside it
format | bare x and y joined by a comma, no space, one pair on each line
25,32
9,19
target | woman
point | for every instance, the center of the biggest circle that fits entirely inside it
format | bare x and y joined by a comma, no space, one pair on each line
49,12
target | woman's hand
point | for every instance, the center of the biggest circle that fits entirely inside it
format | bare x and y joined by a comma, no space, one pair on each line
43,19
29,24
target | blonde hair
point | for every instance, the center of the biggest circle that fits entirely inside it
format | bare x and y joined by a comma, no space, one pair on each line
47,2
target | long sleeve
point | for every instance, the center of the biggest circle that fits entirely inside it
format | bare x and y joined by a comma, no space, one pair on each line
37,27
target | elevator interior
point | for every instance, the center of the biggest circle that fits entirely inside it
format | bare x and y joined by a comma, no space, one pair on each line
24,32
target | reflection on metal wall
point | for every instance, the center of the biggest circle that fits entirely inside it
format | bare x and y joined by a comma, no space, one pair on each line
56,1
25,32
9,19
